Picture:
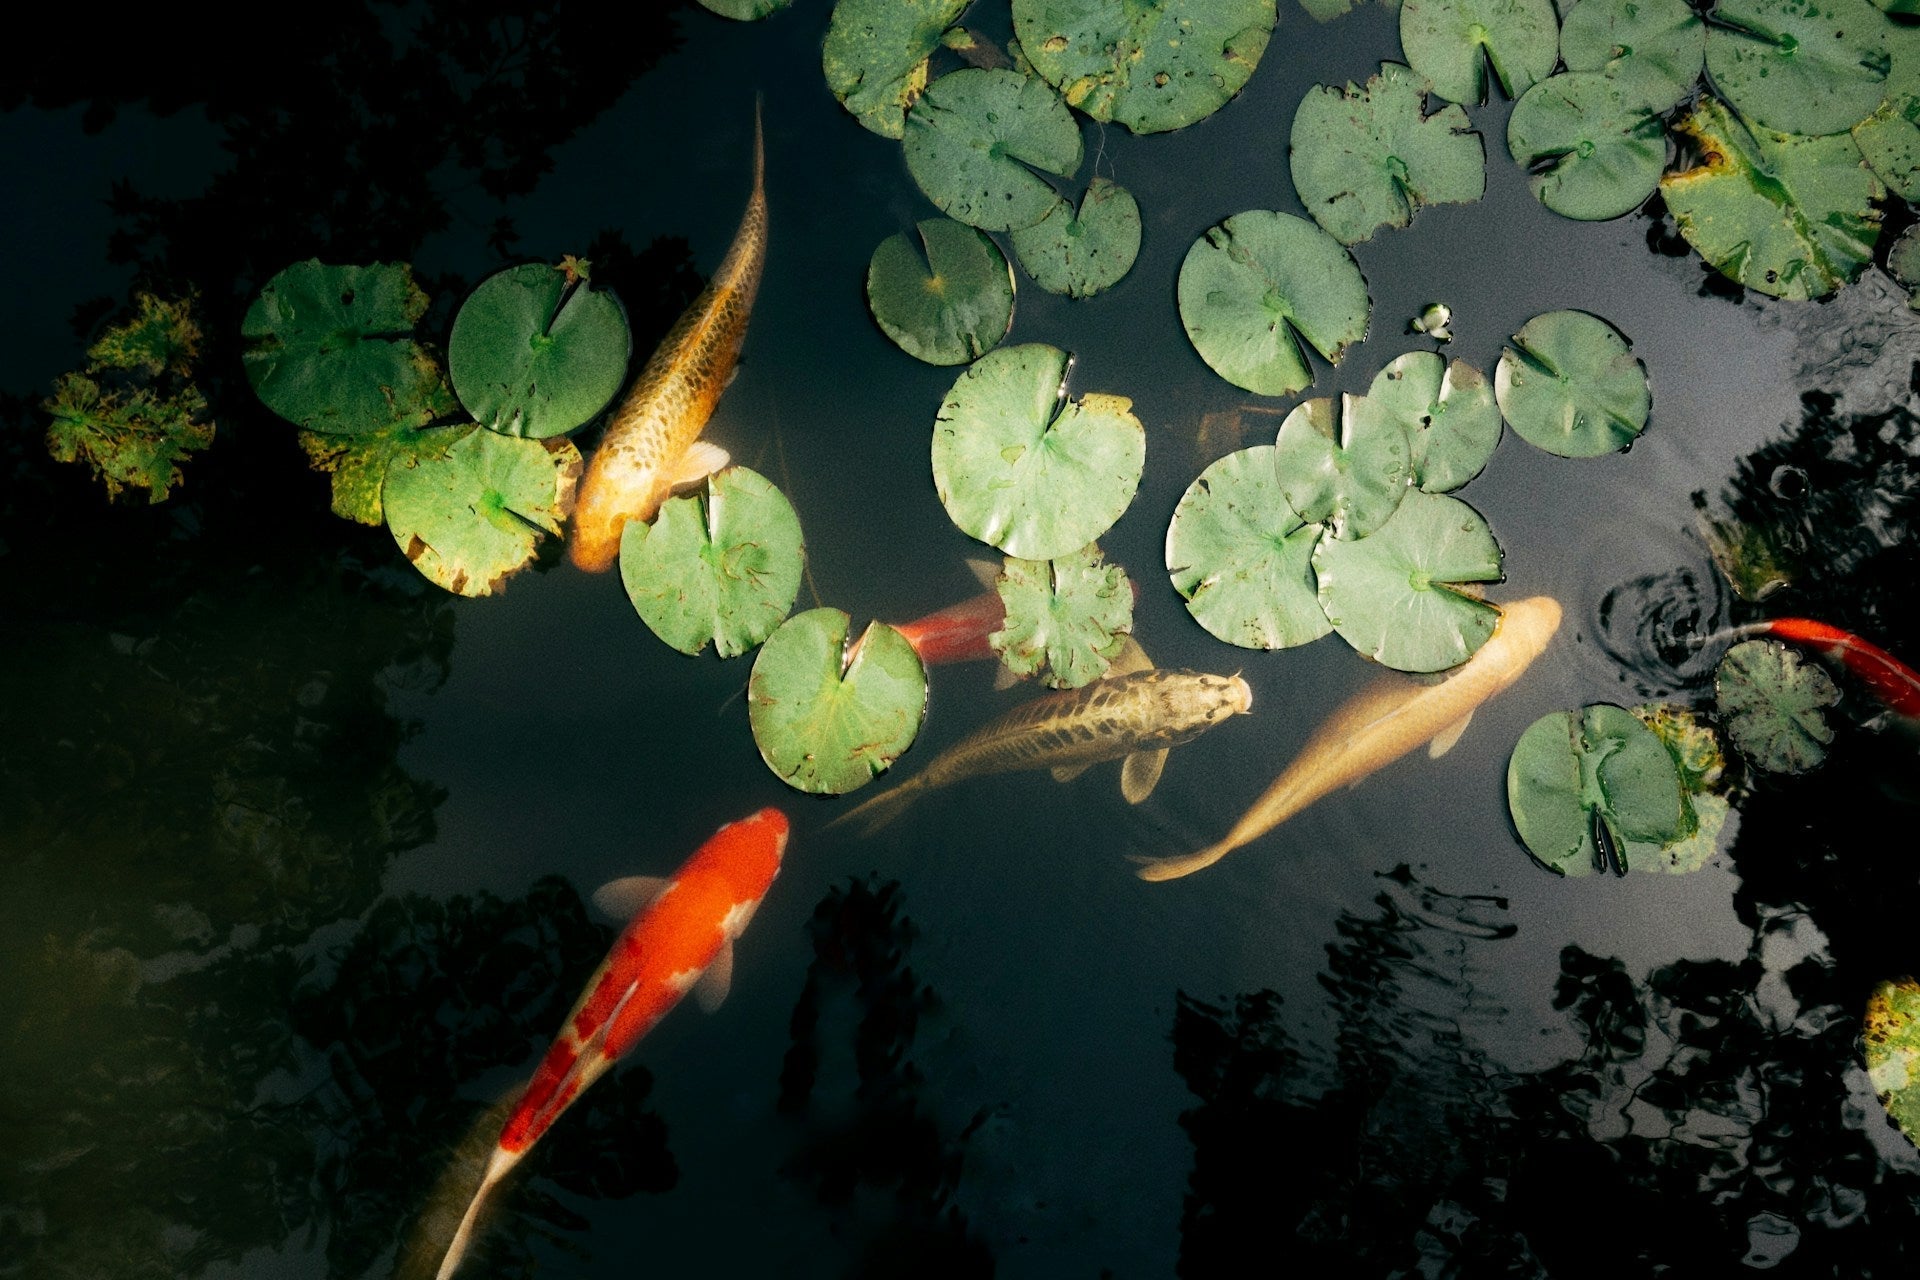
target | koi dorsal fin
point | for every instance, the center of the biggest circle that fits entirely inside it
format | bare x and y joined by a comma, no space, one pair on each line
627,897
712,987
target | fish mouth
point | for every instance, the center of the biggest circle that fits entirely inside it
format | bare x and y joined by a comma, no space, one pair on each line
1241,694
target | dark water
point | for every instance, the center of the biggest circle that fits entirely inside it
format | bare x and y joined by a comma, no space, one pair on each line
293,846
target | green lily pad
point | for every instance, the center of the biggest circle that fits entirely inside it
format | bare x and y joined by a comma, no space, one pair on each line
875,56
1068,616
1151,66
1903,259
1241,558
722,566
1394,595
1448,410
1695,748
827,725
949,305
1573,770
1079,254
1367,158
327,349
1773,703
1797,66
744,10
1890,137
1595,152
1792,217
1653,49
358,464
1890,1036
470,514
1570,384
971,137
537,351
1022,469
1261,286
1346,469
1452,43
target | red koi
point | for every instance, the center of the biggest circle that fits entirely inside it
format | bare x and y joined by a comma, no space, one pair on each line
680,938
1892,681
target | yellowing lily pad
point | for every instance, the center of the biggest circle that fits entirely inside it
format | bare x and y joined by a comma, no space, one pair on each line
1595,152
1344,467
358,464
1652,49
1453,43
1598,772
1079,253
1773,703
951,304
1890,1035
1068,617
537,351
1448,410
974,139
1799,66
875,56
1570,384
827,725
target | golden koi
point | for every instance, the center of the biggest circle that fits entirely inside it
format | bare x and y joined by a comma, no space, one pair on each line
1378,727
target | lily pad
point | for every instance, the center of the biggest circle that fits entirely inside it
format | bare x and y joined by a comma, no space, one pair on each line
1653,49
471,514
1594,150
824,724
1081,253
1453,42
1261,286
1789,216
1021,468
723,565
1695,748
744,10
1241,558
358,464
1773,703
1395,595
1600,766
1367,158
1068,616
327,349
537,351
949,305
1152,66
971,138
1890,1036
1347,469
1903,258
875,56
1797,66
1890,137
1570,384
1448,410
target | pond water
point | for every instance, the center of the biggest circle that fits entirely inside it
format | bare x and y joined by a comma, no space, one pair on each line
294,846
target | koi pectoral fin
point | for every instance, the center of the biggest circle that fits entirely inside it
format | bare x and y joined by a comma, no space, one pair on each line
701,460
712,987
1068,772
624,898
1444,741
1140,774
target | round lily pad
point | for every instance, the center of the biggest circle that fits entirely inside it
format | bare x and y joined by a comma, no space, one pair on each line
327,348
1890,137
1594,151
875,56
1570,384
1241,558
1452,42
951,304
1448,410
1367,158
1020,468
1151,67
1347,469
537,351
722,565
827,725
744,10
1261,286
1392,596
1890,1036
1903,257
1797,66
1081,253
971,137
471,514
1068,616
1653,49
1773,703
1599,766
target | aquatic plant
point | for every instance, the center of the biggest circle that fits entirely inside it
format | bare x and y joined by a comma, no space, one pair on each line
827,717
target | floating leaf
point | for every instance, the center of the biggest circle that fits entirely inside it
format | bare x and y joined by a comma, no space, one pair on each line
469,514
1367,158
1395,596
1695,749
1448,410
1452,42
1890,137
1069,615
1151,67
161,337
1079,254
952,304
827,725
722,565
745,10
1258,287
537,351
1653,49
1018,467
1797,66
1242,559
1890,1035
971,136
1595,152
875,56
1571,771
1789,216
358,464
1903,260
1692,851
1570,384
1347,469
1773,704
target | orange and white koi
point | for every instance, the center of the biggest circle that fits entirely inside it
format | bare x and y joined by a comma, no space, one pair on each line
680,939
1895,683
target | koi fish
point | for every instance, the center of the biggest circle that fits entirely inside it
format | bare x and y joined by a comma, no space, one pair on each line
652,443
1133,715
680,939
1895,683
1378,727
959,632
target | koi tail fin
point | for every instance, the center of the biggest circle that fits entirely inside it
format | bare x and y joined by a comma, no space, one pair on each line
881,809
498,1164
1174,868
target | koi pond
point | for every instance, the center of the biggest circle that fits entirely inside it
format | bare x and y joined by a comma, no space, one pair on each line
1221,401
